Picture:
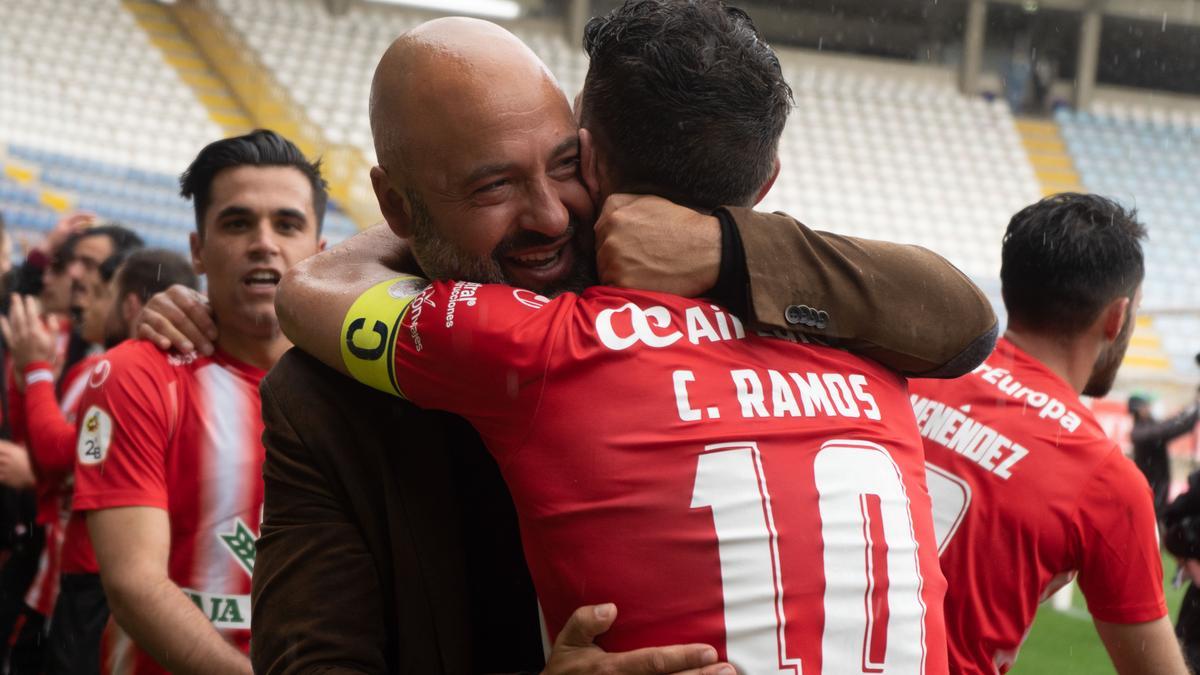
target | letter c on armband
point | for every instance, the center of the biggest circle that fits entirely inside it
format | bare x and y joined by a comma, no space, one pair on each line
374,353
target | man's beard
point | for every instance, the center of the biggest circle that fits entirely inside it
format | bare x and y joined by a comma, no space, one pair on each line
1104,373
443,259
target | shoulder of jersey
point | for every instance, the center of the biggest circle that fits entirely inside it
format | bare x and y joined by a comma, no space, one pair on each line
144,355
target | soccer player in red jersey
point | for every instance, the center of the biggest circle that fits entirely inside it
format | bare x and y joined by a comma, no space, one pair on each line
1028,492
38,352
169,451
107,308
757,494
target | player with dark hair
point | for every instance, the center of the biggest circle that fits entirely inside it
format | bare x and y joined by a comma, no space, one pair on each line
80,612
78,267
169,451
1028,491
642,56
260,148
777,486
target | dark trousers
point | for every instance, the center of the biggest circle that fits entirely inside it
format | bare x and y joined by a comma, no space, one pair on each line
78,626
27,646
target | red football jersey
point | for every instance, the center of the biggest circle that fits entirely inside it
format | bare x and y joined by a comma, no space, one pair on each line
1028,492
48,423
760,495
183,434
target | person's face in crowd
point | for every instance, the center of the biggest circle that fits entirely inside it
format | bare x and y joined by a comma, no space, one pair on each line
82,265
56,290
1109,361
493,192
260,221
95,304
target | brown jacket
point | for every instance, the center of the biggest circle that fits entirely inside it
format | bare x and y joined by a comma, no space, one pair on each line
389,542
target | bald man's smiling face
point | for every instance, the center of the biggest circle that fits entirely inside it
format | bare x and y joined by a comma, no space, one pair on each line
488,185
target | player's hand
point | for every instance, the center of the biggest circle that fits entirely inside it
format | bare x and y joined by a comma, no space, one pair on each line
653,244
575,651
15,470
1191,570
67,226
29,337
178,318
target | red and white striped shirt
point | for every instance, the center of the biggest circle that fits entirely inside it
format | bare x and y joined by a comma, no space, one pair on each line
183,434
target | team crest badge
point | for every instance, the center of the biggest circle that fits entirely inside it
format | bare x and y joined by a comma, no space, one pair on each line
95,436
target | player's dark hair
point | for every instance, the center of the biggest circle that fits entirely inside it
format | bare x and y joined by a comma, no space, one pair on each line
124,240
1068,256
153,270
261,147
685,99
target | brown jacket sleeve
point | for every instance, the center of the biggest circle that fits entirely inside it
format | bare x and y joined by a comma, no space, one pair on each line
903,306
317,599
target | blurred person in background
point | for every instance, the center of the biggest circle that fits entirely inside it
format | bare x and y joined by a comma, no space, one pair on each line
1181,537
106,310
77,270
1029,492
1150,438
169,451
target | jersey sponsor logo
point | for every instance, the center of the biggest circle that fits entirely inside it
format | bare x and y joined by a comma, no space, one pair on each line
95,435
462,293
179,360
415,309
629,324
530,299
224,611
99,374
240,543
953,429
1047,406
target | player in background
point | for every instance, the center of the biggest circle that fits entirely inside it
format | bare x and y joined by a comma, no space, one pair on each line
79,262
760,495
106,313
1028,491
169,452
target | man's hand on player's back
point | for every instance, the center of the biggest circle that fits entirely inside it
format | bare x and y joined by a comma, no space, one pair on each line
653,244
575,651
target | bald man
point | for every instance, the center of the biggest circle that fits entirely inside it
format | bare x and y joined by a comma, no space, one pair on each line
504,204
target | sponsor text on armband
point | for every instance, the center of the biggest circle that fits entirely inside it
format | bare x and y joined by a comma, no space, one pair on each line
370,328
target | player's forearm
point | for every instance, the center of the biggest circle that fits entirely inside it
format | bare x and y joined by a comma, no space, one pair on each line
316,293
51,437
1143,649
164,623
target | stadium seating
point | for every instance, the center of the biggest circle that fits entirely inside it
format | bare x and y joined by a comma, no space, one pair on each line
81,79
1148,158
905,160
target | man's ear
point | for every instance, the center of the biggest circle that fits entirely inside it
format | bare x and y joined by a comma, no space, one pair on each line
589,166
392,205
194,244
1114,317
762,192
130,307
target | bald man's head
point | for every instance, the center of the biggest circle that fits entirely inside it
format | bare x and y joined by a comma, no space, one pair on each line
478,158
439,67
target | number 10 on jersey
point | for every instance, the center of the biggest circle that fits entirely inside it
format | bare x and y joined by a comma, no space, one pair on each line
873,611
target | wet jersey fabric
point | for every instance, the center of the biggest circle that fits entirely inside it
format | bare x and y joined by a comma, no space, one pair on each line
182,434
753,493
1029,493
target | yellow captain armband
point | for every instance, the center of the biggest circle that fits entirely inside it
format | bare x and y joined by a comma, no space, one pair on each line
370,329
